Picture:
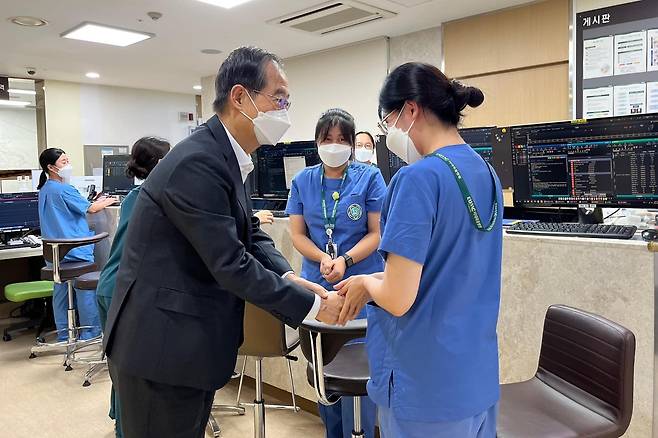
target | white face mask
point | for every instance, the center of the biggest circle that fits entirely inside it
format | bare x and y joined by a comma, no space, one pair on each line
334,155
363,155
399,142
65,173
269,127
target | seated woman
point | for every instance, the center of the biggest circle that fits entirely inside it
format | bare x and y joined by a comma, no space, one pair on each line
334,223
145,154
364,150
63,215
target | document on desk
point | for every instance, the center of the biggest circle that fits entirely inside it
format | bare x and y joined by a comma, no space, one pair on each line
652,50
598,102
292,166
631,53
598,57
630,99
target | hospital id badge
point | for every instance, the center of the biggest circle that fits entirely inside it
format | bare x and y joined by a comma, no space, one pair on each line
332,249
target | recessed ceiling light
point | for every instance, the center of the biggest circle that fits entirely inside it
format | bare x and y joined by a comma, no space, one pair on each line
211,51
13,103
197,87
28,21
100,33
93,75
228,4
17,91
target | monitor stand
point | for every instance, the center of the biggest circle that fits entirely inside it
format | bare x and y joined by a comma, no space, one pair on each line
588,216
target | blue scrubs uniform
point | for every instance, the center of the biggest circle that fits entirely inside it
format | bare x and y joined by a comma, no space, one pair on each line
362,193
63,215
434,371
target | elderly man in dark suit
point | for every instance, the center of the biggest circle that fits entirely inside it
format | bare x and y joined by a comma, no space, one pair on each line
194,254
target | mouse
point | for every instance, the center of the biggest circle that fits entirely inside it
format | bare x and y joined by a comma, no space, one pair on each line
650,235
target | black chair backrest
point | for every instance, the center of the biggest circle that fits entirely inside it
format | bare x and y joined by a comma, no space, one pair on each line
66,245
333,337
590,360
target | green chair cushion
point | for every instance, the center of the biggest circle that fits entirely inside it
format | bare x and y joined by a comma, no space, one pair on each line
29,290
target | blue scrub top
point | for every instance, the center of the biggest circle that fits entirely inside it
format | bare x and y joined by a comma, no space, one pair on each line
63,215
439,362
363,192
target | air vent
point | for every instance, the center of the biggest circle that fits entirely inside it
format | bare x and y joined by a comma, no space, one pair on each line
331,16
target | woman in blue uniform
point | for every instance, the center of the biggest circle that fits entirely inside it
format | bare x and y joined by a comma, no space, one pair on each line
63,215
144,155
334,210
432,343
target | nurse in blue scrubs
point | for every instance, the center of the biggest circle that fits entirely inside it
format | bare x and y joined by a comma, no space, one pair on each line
334,210
63,215
432,343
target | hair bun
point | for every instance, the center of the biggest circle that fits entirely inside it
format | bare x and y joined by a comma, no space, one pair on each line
466,95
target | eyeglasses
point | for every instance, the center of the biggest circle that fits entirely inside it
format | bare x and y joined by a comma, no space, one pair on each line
282,103
382,125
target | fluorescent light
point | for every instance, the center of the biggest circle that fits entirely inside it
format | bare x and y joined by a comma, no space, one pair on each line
228,4
99,33
197,87
13,103
93,75
17,91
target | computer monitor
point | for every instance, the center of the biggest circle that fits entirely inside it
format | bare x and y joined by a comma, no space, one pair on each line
492,144
115,180
19,212
610,162
277,166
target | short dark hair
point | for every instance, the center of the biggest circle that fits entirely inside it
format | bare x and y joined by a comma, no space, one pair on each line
372,139
431,89
47,158
145,154
336,117
244,66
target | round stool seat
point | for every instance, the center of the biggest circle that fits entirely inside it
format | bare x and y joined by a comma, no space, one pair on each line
88,281
68,270
29,290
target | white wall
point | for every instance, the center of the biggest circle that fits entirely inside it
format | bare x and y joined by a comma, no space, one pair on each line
588,5
119,116
18,138
348,78
63,123
421,46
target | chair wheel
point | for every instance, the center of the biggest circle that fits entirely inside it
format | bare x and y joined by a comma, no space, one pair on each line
6,337
86,383
32,356
68,368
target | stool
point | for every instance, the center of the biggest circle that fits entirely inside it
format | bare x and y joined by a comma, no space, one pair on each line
584,383
60,271
22,292
89,281
264,336
337,370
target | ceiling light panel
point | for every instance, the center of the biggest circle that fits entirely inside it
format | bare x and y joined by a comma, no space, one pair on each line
13,103
102,34
227,4
24,92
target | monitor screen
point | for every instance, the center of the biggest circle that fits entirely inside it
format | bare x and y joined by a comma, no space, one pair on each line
115,180
278,165
19,211
608,162
480,140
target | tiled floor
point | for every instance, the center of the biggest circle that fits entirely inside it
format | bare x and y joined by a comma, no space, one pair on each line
39,400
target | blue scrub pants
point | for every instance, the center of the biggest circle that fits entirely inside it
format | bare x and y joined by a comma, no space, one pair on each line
482,425
85,303
339,418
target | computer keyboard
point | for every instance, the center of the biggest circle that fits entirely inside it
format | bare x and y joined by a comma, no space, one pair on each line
279,214
574,230
18,245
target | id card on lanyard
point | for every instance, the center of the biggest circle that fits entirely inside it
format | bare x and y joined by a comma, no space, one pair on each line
331,247
468,199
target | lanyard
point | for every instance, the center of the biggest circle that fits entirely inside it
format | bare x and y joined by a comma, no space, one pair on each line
468,199
330,222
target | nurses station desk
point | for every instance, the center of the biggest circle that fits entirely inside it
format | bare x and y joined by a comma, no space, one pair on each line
613,278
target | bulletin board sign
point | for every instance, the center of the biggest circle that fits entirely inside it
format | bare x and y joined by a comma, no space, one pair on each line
616,71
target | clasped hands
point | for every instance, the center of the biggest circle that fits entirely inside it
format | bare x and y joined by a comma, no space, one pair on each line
343,305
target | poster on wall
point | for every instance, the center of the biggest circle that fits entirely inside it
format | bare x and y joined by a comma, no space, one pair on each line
652,50
652,97
598,57
630,53
598,102
630,99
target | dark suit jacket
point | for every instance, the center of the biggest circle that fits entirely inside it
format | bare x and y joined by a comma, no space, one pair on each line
193,254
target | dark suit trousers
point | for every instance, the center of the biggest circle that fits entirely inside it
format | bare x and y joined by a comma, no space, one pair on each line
155,410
